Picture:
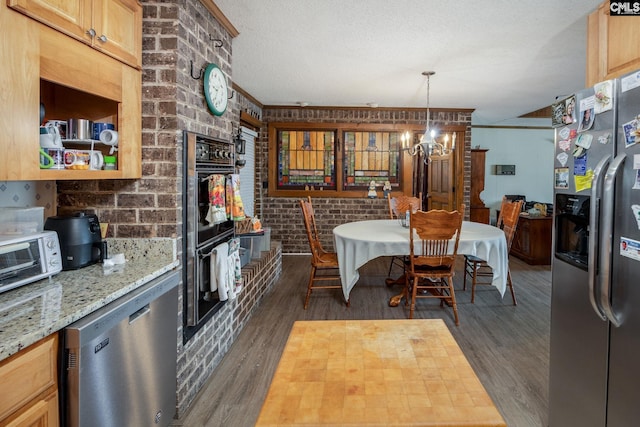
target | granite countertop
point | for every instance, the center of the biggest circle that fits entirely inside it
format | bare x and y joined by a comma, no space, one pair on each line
33,311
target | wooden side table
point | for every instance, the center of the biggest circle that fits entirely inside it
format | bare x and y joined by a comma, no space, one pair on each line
532,242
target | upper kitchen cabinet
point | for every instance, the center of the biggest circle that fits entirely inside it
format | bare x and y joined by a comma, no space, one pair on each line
613,45
113,27
71,80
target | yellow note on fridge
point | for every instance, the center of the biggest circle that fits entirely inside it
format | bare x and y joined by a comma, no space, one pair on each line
583,182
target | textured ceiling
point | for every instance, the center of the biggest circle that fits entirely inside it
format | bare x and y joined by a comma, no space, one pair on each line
501,58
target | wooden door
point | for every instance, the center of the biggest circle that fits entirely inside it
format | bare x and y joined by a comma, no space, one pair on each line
441,183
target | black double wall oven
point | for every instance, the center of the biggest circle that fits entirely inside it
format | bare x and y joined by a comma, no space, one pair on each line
203,156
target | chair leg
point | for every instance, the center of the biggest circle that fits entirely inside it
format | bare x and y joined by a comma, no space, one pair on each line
453,301
310,286
414,292
466,273
510,283
473,281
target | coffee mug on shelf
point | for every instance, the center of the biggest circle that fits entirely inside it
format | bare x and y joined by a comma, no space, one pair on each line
50,137
99,127
51,158
83,159
109,137
60,125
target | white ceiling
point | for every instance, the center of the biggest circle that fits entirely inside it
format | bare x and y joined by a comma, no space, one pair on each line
501,58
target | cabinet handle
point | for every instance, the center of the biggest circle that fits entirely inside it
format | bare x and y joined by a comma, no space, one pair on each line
91,32
103,38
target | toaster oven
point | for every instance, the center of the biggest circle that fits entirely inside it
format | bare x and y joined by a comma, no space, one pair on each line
28,258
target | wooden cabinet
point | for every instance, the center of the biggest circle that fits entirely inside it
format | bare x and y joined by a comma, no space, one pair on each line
613,45
532,241
71,80
29,386
111,26
478,211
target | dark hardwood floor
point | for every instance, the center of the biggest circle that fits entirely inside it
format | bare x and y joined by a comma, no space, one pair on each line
508,346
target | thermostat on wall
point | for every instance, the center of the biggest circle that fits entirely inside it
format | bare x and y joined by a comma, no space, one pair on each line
505,169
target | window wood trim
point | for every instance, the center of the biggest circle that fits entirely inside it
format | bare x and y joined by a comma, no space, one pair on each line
339,128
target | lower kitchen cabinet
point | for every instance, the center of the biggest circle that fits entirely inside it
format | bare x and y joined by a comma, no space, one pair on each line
29,386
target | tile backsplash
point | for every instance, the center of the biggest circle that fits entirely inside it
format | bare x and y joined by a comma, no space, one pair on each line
27,194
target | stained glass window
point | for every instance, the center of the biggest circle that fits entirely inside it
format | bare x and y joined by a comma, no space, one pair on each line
371,156
306,160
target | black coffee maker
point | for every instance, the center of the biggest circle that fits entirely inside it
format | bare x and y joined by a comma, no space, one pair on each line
81,243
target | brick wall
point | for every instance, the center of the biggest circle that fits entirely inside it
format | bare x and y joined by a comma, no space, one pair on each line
175,36
283,214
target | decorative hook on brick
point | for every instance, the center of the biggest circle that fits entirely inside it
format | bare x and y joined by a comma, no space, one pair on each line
216,42
200,73
233,92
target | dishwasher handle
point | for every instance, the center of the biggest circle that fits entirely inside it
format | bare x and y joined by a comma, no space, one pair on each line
140,313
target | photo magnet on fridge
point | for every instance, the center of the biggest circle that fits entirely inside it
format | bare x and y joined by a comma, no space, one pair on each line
631,132
586,113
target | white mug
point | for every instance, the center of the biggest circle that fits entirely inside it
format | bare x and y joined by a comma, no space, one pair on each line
97,160
109,137
83,159
50,137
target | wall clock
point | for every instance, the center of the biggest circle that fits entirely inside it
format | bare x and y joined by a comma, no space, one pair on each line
215,89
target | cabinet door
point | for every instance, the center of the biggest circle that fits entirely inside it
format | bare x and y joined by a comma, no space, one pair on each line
118,26
43,413
19,96
72,17
612,48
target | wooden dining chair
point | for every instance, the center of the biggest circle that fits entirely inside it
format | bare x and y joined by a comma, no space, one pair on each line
433,238
398,206
476,268
324,264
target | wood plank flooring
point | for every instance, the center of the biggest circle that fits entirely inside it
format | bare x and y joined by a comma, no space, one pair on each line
507,346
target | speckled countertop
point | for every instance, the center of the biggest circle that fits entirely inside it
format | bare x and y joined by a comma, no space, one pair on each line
33,311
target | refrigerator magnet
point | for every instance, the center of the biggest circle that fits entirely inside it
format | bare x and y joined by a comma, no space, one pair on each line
636,214
630,248
631,132
570,110
603,97
579,162
562,158
565,133
557,114
564,144
586,113
604,138
562,178
636,183
583,182
584,140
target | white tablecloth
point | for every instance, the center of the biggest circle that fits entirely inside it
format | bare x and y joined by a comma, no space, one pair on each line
358,242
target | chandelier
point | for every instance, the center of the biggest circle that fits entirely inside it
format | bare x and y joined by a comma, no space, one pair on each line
428,144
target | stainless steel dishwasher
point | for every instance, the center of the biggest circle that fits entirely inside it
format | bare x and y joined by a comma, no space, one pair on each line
121,360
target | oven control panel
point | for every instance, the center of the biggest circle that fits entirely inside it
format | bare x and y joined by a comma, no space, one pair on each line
214,152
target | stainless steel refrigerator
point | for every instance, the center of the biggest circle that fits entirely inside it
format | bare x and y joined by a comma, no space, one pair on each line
595,305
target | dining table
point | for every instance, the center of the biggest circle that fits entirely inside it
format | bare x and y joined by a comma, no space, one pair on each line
359,242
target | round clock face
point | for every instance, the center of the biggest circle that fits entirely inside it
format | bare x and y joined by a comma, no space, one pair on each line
215,89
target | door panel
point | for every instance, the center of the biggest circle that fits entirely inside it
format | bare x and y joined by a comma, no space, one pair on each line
441,183
578,352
